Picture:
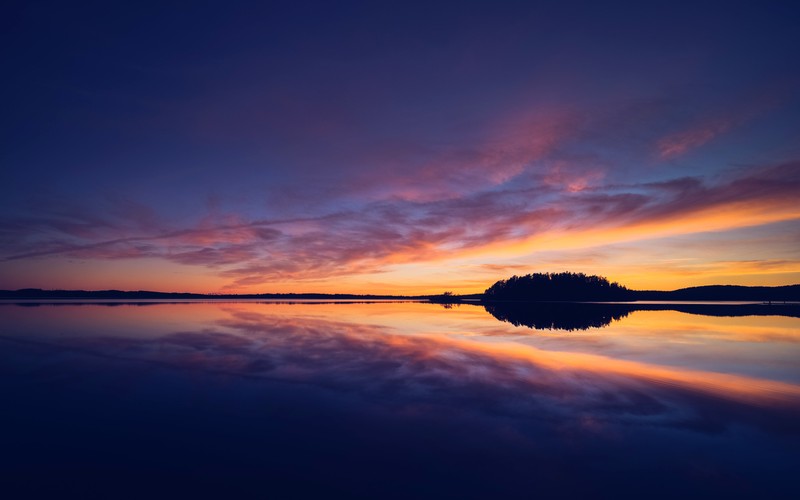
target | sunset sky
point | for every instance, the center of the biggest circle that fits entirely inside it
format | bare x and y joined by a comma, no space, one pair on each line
398,147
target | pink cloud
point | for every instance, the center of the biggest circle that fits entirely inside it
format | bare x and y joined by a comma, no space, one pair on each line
703,131
680,143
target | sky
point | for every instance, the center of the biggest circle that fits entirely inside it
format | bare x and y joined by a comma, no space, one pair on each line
397,147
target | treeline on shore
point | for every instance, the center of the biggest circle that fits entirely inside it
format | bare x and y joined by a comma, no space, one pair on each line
535,287
37,293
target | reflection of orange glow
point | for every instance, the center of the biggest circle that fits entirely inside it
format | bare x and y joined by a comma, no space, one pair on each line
697,329
731,386
466,340
736,387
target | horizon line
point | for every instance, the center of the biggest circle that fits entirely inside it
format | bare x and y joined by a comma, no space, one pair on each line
73,290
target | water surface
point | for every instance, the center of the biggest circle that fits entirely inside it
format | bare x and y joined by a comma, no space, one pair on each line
395,400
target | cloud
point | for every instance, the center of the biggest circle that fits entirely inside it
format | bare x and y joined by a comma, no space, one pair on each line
712,125
398,231
679,143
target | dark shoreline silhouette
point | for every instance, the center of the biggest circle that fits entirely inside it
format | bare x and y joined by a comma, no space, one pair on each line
788,293
39,294
565,301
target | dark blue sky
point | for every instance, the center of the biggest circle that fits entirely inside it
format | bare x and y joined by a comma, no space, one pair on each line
353,146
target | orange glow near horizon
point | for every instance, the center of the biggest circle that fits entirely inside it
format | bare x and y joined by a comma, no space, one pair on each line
427,268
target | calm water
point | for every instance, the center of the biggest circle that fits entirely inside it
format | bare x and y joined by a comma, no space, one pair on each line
395,400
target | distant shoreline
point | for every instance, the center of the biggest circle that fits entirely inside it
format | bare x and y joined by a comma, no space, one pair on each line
134,301
710,293
36,294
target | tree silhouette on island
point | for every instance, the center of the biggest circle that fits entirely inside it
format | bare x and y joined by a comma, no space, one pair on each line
566,286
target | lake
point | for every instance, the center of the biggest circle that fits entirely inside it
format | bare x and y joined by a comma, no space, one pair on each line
396,400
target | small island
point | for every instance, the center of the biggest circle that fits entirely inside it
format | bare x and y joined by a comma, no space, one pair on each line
566,286
576,301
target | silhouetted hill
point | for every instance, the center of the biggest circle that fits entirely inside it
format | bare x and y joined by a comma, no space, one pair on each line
726,292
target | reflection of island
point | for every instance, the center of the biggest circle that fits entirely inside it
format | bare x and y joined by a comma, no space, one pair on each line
572,316
557,315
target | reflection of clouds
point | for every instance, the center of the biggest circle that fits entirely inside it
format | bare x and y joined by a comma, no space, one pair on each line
408,373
